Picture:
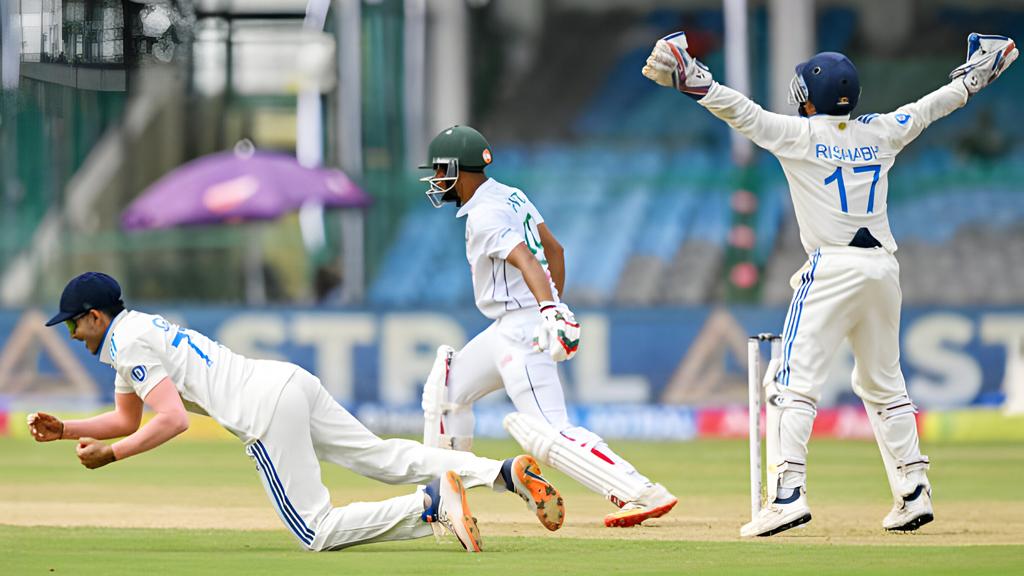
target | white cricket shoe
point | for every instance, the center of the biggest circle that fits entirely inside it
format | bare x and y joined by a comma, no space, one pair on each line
655,502
453,512
912,512
779,516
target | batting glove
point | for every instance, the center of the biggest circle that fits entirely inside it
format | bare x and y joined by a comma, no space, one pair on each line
671,65
988,56
558,333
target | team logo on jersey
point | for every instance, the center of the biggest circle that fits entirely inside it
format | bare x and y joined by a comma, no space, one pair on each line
903,118
139,374
487,156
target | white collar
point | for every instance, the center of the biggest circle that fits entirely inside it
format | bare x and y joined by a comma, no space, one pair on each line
831,117
108,339
479,191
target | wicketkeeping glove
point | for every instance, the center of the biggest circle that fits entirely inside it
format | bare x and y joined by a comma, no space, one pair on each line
671,65
558,333
987,56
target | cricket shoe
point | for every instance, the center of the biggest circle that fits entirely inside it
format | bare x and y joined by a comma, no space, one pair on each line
914,511
655,502
540,496
779,516
449,508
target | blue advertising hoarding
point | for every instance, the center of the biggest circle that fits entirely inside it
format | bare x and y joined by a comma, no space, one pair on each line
952,357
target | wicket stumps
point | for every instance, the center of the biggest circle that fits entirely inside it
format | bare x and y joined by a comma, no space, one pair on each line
755,392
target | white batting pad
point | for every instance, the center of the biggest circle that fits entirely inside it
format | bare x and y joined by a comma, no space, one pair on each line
895,430
615,480
789,420
435,400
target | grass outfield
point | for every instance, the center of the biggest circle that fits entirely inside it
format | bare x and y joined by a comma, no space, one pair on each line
198,508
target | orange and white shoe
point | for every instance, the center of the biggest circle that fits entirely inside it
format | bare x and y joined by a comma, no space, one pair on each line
453,512
655,502
540,496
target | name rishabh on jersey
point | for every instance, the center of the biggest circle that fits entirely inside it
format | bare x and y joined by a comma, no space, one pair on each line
862,154
499,218
239,393
837,168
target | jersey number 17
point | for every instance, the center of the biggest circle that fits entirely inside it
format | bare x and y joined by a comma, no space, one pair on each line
837,177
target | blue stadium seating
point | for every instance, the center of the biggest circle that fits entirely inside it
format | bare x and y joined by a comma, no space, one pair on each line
652,178
605,204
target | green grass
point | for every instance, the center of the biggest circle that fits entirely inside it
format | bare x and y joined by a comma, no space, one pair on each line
105,551
977,497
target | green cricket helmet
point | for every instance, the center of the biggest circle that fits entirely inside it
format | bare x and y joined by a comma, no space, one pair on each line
456,148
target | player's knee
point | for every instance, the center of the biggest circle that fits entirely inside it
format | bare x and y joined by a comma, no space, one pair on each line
786,398
879,382
801,388
892,408
308,540
459,407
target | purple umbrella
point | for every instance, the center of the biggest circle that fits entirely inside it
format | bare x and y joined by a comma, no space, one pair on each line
230,187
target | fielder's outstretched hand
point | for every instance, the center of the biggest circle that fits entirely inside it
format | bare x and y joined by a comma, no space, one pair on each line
94,453
45,427
671,65
558,333
988,55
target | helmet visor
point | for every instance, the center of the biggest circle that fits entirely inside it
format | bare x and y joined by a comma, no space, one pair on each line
440,185
798,92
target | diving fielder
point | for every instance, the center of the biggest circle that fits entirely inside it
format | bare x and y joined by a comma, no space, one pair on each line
837,168
518,271
287,421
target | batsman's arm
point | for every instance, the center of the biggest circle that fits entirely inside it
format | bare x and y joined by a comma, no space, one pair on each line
169,421
122,421
555,255
533,272
777,133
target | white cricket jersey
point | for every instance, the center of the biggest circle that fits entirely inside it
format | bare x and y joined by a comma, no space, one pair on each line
499,218
239,393
837,168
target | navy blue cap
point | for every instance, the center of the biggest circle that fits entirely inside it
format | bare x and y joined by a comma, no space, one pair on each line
88,291
833,85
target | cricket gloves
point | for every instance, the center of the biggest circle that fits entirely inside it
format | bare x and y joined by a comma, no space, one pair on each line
988,56
558,333
671,65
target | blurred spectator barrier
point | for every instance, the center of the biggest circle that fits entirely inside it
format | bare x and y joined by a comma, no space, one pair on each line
952,357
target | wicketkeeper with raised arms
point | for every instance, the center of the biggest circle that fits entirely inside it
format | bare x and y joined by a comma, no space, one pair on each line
837,167
518,271
287,421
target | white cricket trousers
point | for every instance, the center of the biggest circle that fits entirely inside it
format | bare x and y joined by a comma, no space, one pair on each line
845,292
308,426
503,356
